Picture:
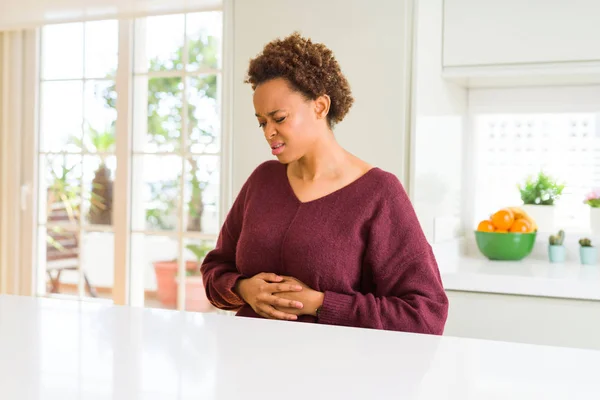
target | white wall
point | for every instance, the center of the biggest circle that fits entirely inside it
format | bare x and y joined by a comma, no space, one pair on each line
439,122
371,42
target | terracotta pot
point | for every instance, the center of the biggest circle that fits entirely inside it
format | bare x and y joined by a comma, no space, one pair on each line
166,284
195,295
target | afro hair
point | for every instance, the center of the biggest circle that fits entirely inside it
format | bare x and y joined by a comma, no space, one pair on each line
310,68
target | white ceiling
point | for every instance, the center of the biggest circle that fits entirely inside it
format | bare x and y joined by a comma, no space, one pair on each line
16,14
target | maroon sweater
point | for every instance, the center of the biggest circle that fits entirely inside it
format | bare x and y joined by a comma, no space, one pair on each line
361,245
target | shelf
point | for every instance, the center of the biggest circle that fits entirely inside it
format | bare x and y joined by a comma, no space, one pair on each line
537,74
528,277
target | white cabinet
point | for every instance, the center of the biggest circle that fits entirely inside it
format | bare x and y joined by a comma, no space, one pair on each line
480,33
524,319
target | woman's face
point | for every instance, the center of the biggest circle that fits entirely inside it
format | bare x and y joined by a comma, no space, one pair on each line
290,122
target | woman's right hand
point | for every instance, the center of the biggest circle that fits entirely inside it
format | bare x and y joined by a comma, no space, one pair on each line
259,290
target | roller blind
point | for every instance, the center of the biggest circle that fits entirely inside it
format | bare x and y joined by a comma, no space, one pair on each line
18,14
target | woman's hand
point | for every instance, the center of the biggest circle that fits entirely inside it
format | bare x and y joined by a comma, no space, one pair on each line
310,298
260,292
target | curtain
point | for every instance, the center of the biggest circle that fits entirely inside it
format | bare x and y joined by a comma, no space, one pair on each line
18,81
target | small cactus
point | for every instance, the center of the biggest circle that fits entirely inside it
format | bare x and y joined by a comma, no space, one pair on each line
585,242
558,239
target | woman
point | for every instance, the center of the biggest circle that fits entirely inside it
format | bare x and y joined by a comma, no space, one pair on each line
320,235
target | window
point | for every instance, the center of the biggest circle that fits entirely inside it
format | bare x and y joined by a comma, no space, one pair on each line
175,156
76,158
510,147
176,148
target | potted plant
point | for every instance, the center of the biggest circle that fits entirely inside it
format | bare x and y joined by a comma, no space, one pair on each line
539,195
592,199
166,279
557,253
588,254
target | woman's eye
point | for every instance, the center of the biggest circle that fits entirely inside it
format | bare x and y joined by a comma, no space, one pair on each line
277,120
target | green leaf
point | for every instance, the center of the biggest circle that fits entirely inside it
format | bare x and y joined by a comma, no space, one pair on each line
540,190
200,251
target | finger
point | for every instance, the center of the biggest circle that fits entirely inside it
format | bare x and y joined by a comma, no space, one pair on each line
269,277
279,303
273,313
263,314
292,311
285,287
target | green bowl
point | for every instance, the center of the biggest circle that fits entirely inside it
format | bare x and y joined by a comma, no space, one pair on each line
505,246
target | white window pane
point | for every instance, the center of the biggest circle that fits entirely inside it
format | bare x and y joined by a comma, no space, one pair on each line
97,262
61,116
195,294
204,33
60,189
101,48
155,257
68,253
100,116
158,125
158,257
204,124
159,43
156,192
98,185
62,51
202,181
59,259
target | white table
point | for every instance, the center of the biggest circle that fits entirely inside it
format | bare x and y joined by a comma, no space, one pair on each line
57,349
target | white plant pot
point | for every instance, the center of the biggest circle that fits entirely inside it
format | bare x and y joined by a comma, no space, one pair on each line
595,220
544,216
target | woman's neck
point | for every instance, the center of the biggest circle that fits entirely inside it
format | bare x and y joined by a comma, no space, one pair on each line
326,159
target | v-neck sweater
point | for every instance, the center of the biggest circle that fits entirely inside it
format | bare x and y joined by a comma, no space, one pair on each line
361,245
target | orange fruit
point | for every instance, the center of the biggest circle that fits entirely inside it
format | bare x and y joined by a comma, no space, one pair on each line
486,226
501,231
503,219
521,225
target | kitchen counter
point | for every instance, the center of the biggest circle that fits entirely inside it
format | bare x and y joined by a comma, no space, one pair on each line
58,349
529,277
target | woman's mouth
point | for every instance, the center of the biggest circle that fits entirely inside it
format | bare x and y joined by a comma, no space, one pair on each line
277,149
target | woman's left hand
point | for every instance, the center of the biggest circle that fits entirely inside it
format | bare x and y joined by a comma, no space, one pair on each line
310,298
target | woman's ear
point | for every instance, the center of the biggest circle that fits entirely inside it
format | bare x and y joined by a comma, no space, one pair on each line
322,105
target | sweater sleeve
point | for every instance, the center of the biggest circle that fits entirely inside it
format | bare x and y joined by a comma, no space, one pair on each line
219,271
400,265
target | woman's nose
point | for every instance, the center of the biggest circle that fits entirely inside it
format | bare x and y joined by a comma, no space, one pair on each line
270,131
